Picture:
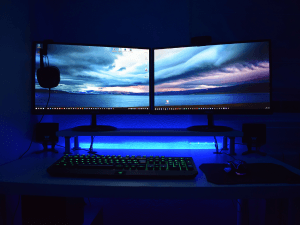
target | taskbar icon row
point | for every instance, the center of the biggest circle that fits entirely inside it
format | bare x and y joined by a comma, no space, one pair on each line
88,108
214,108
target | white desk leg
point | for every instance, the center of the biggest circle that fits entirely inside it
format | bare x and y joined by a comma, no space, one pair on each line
242,212
67,145
225,143
232,145
76,144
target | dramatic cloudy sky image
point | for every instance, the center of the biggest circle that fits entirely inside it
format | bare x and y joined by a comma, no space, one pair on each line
85,69
211,67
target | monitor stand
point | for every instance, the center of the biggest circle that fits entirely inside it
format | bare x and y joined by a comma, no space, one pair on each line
94,127
210,127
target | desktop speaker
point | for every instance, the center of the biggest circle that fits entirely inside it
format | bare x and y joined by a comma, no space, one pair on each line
46,133
254,134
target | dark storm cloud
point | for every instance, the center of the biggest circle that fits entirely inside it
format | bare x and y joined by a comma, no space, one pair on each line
80,58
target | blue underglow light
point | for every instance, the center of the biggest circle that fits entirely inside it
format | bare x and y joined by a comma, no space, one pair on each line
148,145
152,145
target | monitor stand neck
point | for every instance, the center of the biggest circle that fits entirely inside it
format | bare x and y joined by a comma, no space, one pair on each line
94,127
210,127
210,120
94,120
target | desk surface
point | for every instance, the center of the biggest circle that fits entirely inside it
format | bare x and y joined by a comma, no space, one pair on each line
28,176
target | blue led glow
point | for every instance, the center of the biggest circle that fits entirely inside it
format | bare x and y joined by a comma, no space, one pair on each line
152,145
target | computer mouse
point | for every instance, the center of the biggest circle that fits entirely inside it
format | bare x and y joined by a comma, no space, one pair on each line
238,167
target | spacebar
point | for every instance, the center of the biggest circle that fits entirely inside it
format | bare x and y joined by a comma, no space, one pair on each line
95,166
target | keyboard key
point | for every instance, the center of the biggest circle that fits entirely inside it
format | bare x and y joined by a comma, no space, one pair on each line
133,167
119,166
174,168
150,167
190,167
141,167
85,166
163,167
156,167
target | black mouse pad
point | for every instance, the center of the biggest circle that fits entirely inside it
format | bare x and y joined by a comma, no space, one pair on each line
257,173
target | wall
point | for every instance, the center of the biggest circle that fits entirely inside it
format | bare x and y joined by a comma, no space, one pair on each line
16,123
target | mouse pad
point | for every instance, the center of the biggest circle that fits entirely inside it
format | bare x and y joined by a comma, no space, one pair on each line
258,173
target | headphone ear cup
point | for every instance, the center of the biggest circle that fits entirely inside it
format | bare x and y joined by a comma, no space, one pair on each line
48,77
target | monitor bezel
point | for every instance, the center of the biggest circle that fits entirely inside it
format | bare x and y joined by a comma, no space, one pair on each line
84,112
227,111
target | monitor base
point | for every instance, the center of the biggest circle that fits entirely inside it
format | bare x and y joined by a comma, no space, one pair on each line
97,128
206,128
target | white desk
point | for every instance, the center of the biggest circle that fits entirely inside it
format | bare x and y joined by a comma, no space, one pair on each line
28,176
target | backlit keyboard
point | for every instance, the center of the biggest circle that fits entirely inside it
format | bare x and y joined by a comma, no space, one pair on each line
117,166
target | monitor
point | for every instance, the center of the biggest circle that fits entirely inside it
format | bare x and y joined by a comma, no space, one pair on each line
93,80
231,78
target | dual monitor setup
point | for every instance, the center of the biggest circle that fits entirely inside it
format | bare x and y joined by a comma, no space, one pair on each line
231,78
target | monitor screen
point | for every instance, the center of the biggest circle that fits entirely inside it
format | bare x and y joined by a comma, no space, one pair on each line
222,78
94,79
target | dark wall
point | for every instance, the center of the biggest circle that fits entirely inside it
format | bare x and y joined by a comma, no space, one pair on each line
16,123
131,23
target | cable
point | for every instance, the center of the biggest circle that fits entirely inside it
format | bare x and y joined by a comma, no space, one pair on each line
12,221
217,148
31,137
92,142
8,162
229,155
35,128
216,144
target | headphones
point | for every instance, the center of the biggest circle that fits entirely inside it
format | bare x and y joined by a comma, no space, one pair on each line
49,76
